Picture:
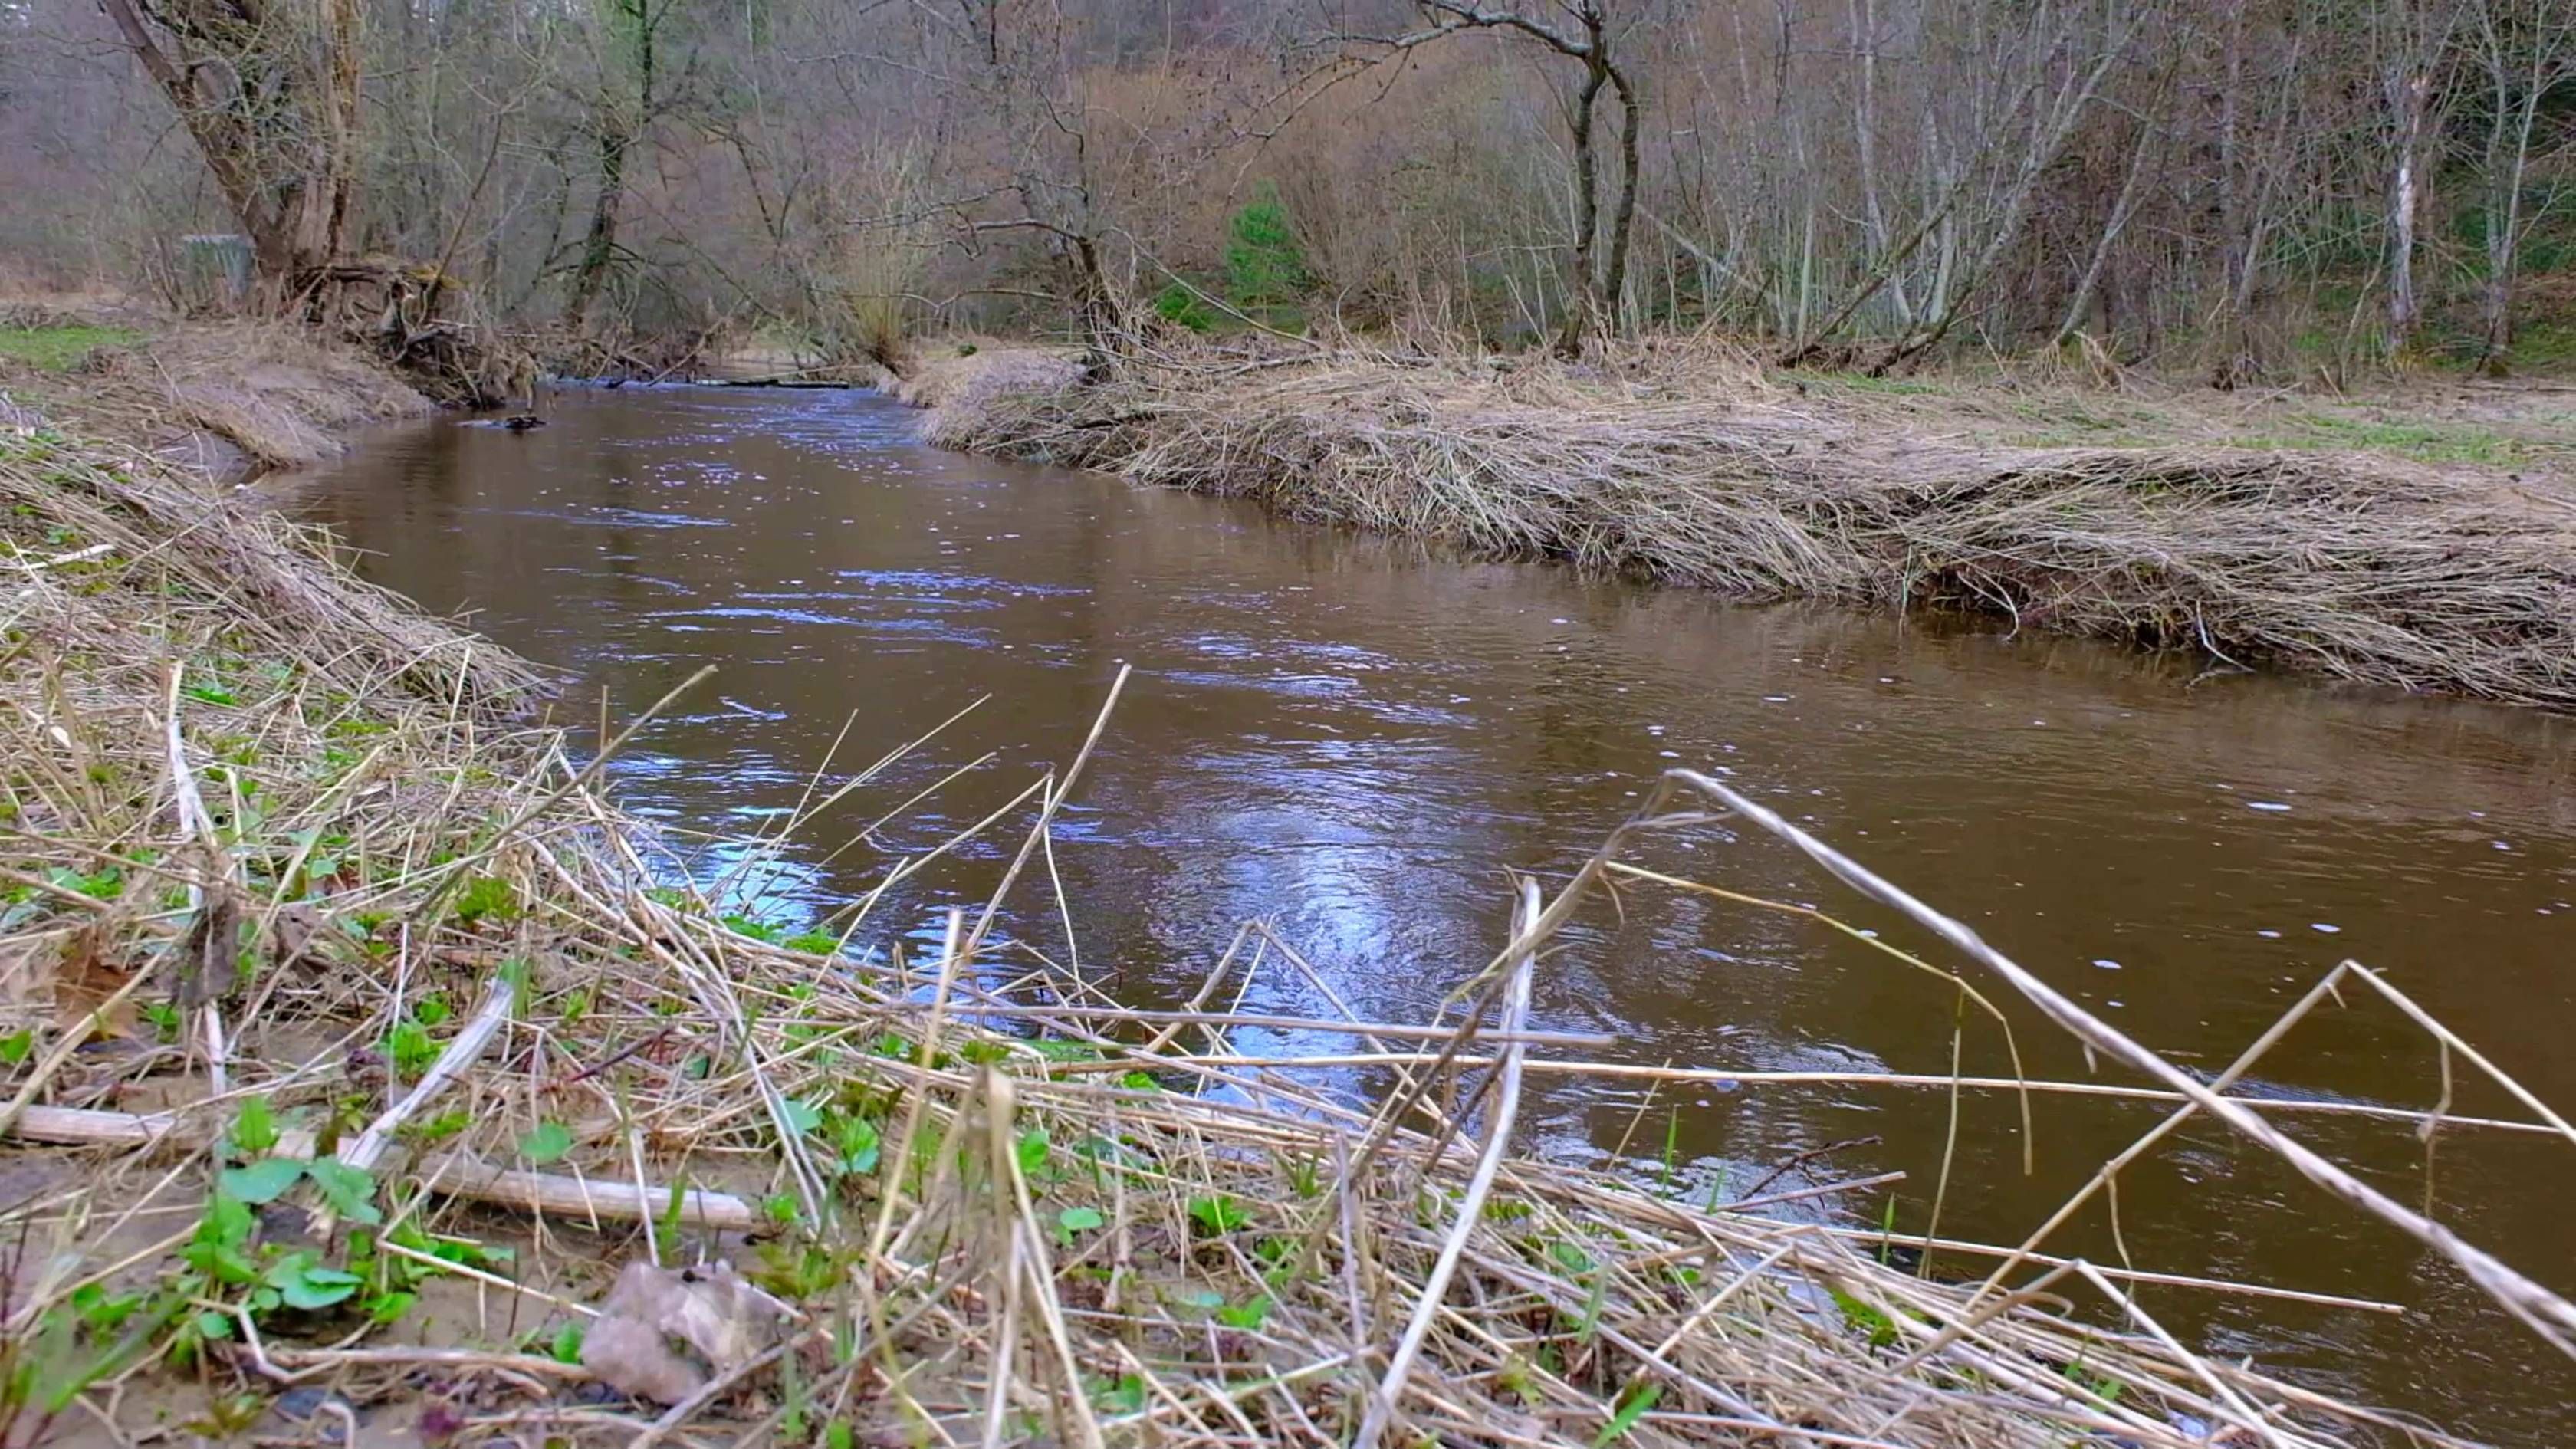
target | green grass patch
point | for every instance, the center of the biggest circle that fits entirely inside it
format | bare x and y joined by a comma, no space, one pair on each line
1863,382
2423,442
60,349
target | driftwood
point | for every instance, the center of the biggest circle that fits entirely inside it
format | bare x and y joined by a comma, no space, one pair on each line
451,1174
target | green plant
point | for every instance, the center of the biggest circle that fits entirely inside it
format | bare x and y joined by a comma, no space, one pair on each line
1634,1401
1177,303
1217,1214
851,1138
1264,266
1672,1148
800,1271
756,929
545,1143
1880,1327
409,1047
1072,1220
1127,1396
1034,1152
67,1352
61,349
1249,1316
486,898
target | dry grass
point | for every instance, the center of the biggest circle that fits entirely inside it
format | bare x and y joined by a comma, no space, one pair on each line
964,375
229,397
1704,471
998,1206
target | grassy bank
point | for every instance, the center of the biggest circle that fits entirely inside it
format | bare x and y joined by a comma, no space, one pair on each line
393,1077
2425,545
223,398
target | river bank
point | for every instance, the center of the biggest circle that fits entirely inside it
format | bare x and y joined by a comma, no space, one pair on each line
226,399
2420,541
396,1047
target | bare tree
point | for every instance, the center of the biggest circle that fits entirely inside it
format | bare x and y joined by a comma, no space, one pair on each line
2524,50
2411,39
1591,40
631,96
270,95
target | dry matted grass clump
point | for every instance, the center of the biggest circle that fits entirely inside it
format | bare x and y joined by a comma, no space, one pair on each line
2448,578
223,397
400,1083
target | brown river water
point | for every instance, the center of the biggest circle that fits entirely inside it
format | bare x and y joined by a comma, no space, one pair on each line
1355,739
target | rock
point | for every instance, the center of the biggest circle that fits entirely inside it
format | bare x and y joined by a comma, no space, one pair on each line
653,1314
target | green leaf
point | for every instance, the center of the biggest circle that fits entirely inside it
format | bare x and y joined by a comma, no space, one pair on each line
263,1181
486,898
1032,1149
1248,1317
547,1143
211,1324
514,974
254,1128
304,1283
566,1346
1079,1219
1882,1329
350,1191
1569,1257
1064,1051
859,1144
838,1435
1218,1213
1632,1407
209,694
387,1308
431,1010
226,1222
803,1116
16,1045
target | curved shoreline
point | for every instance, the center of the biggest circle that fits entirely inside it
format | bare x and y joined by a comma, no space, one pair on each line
2425,576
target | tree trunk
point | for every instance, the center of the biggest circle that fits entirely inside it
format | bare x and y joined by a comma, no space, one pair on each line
619,130
1583,295
2408,94
599,243
1623,212
284,159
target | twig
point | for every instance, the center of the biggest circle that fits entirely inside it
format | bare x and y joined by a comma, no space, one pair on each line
461,1053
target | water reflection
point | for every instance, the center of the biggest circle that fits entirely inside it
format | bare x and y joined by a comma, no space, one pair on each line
1354,739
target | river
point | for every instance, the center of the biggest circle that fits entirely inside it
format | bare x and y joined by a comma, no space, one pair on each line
1356,739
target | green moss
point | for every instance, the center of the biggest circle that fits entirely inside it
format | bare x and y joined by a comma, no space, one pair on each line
60,349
